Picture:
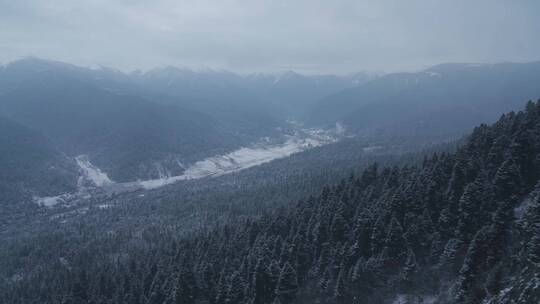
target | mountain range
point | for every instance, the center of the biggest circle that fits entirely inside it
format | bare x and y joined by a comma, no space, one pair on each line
441,101
156,124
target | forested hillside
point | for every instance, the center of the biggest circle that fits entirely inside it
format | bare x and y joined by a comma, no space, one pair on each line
158,124
128,136
152,125
438,102
31,166
457,227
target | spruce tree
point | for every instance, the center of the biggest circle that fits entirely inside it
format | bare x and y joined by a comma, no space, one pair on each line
507,180
261,283
235,289
287,285
341,288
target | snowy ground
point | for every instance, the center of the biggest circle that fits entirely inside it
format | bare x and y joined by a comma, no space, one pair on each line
91,172
243,158
49,201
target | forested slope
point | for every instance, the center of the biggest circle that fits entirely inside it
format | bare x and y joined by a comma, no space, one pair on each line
127,136
441,101
458,227
31,166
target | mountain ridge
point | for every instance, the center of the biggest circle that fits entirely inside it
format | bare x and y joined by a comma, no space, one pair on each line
437,96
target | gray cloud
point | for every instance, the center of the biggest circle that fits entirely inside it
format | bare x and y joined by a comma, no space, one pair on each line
312,36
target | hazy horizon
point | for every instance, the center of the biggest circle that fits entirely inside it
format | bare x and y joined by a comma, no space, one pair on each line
318,37
249,73
269,151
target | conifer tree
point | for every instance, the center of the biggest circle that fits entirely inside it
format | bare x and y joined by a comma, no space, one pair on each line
339,226
341,288
236,289
395,241
261,283
287,285
473,206
507,180
533,248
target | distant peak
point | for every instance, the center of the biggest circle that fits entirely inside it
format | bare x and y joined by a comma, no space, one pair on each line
38,60
287,75
36,64
449,67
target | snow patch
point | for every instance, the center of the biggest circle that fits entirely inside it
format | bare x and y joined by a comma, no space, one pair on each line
340,128
521,208
259,153
91,172
16,277
49,201
247,157
400,299
372,149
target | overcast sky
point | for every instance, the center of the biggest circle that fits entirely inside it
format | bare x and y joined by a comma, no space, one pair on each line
309,36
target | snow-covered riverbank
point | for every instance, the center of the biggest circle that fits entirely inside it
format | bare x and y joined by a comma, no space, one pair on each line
243,158
240,159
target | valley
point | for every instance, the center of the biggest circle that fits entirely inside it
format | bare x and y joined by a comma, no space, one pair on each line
111,178
94,181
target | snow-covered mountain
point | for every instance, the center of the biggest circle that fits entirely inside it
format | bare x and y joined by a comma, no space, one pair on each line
444,100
